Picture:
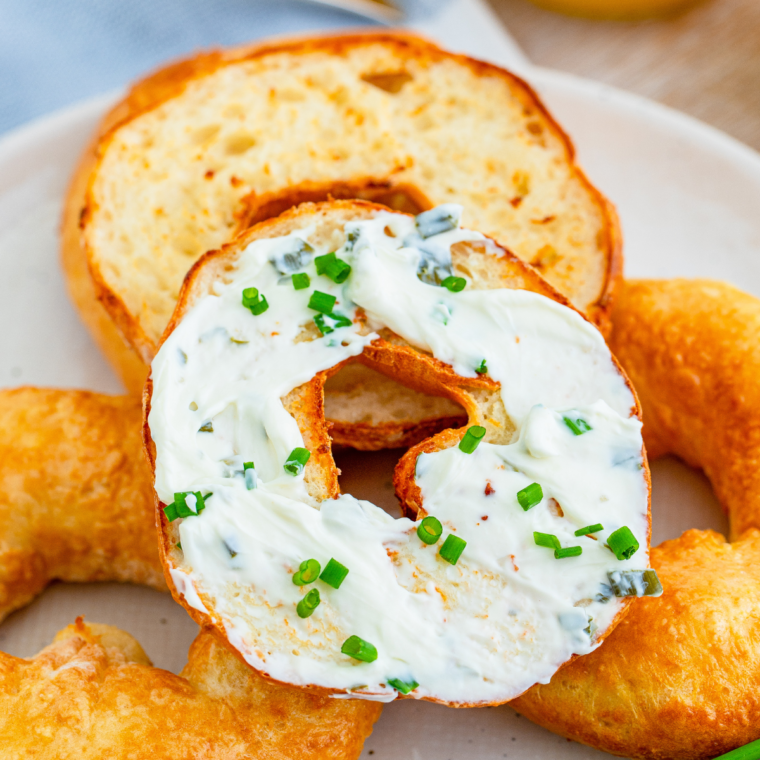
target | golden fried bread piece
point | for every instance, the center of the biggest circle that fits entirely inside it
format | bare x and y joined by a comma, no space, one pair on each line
76,499
680,676
206,146
94,694
222,531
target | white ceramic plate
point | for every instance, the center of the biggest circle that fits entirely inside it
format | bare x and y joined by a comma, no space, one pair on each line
687,195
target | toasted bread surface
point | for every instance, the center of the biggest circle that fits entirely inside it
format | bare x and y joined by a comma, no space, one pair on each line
93,693
206,146
390,355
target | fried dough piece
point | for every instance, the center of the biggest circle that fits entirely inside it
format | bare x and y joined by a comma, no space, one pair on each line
76,499
93,694
680,676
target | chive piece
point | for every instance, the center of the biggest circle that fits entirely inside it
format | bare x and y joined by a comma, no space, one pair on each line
579,427
472,438
482,368
189,503
308,604
334,573
170,510
635,583
337,270
206,427
530,496
549,540
323,302
438,220
248,466
403,686
454,284
321,262
307,573
249,473
179,545
301,281
595,528
569,551
328,323
429,530
623,543
254,301
749,751
297,460
359,649
452,548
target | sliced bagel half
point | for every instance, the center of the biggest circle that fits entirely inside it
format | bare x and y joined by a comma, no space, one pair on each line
500,572
208,146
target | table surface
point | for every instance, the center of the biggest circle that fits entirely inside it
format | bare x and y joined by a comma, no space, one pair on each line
705,61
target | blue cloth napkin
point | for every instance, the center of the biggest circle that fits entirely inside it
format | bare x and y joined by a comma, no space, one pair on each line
55,52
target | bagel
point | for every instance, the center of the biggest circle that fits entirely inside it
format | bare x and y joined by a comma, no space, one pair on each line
212,144
76,494
248,497
679,678
93,694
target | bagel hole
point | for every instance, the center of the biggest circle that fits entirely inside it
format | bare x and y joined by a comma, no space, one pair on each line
402,197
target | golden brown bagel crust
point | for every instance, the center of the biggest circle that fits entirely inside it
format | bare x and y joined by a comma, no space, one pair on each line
76,495
93,694
98,302
680,677
389,354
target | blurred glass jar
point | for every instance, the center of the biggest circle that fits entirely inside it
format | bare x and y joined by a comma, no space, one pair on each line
617,9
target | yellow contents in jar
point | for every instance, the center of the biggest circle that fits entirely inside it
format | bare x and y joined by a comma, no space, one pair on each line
616,9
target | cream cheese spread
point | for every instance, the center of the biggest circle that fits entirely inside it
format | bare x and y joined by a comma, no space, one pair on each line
508,613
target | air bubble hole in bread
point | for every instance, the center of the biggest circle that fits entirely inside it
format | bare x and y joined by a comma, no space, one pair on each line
526,534
207,146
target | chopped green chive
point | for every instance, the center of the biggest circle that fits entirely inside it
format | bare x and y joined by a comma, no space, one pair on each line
595,528
334,573
170,510
297,460
328,323
254,301
249,473
429,530
301,281
437,220
308,604
323,302
530,496
454,284
472,438
186,504
452,548
307,573
321,262
206,427
579,427
482,368
359,649
338,270
623,543
570,551
749,751
635,583
403,686
549,540
179,545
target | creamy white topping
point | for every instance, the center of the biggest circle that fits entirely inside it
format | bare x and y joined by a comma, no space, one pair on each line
508,614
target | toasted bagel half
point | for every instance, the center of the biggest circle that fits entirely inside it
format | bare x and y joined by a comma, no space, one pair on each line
500,572
208,146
